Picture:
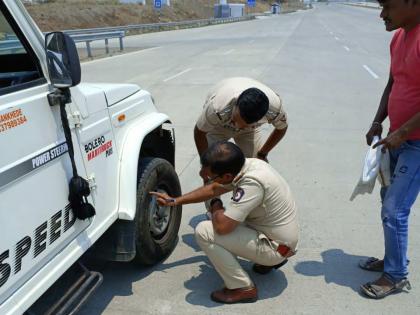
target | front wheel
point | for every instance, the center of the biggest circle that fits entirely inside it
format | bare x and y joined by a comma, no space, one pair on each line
156,227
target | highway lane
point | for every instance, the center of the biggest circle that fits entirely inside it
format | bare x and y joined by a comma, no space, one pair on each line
211,53
330,66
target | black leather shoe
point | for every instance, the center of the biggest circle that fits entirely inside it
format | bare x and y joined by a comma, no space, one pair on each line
261,269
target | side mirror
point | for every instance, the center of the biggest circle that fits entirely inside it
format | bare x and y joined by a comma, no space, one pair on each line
62,60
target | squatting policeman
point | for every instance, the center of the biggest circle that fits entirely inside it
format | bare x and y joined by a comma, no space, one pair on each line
259,223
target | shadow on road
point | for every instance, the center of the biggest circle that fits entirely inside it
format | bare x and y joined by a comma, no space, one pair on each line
119,277
201,286
196,220
337,267
189,239
269,286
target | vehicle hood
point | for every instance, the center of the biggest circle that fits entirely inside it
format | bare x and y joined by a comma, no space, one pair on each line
115,93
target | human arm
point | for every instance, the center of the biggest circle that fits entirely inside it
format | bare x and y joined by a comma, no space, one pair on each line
397,137
221,223
277,117
206,122
381,113
198,195
274,138
246,198
200,138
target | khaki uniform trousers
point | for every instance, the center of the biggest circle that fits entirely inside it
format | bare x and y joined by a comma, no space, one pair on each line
250,141
245,242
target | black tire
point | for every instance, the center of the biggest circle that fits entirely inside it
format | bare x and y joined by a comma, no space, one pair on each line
152,246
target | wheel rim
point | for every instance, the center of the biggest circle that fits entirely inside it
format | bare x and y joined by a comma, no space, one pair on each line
159,216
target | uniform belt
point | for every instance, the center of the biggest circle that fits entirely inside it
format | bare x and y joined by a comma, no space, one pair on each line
284,250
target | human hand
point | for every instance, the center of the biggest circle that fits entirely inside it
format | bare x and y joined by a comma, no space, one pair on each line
262,156
375,130
216,204
204,175
163,199
393,141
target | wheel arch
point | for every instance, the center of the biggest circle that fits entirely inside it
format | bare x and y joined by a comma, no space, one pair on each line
145,139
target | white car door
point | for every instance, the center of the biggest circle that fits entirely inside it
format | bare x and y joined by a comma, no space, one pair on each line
36,222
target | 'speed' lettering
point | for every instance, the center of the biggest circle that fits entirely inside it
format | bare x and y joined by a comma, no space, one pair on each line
56,226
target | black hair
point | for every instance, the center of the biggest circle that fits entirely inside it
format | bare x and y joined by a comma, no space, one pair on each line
223,157
253,105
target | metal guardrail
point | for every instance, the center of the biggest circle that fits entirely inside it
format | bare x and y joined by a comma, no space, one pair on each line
158,26
8,36
106,33
89,37
367,4
10,45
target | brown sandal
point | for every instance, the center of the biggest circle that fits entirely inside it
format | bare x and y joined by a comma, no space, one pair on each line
372,264
376,290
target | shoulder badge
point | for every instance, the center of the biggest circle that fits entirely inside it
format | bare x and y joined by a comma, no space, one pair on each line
224,115
238,194
271,115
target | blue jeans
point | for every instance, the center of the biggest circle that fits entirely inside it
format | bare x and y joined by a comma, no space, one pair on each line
397,200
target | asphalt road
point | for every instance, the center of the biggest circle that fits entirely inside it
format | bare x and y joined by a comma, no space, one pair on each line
330,66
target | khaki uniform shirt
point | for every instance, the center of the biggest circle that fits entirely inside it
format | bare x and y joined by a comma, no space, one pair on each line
217,112
261,199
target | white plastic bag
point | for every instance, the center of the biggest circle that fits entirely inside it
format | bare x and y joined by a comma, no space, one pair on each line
375,161
372,162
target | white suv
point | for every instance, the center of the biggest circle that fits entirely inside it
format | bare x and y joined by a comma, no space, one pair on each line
107,140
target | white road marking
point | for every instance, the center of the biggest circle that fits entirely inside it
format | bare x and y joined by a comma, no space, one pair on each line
119,56
373,74
346,48
336,38
229,52
331,33
177,75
